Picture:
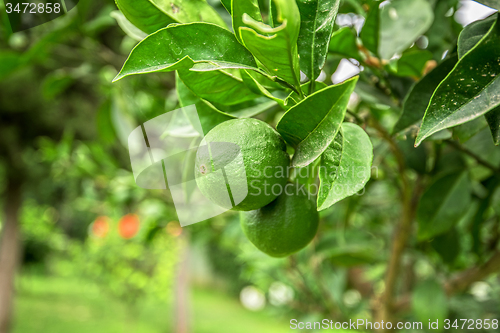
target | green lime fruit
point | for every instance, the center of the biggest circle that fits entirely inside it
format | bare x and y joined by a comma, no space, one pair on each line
284,226
242,164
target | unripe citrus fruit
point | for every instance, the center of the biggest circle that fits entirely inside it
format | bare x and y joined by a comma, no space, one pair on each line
284,226
242,164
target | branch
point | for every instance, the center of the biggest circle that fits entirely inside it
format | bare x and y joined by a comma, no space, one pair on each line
384,305
473,155
461,281
400,240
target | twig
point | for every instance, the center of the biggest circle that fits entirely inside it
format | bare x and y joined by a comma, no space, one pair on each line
461,281
473,155
466,278
384,305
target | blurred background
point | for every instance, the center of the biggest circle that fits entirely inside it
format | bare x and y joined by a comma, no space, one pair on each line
99,254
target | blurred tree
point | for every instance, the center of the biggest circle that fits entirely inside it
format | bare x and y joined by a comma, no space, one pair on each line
58,115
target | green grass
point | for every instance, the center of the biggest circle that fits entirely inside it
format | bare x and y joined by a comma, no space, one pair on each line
62,305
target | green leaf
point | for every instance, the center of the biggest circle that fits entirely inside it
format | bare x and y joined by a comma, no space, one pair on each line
401,23
415,158
311,125
240,7
370,33
493,119
294,98
373,95
104,124
418,98
469,91
349,247
244,110
412,63
352,255
468,38
442,205
252,111
257,88
343,42
131,30
482,214
429,302
210,116
226,4
276,48
473,33
186,96
345,165
316,25
447,245
443,33
490,3
466,131
182,46
152,15
306,176
482,145
9,62
247,109
217,86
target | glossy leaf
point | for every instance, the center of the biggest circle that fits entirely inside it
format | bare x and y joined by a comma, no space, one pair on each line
254,110
181,46
466,131
210,116
493,119
442,205
469,91
186,97
217,86
311,125
145,15
131,30
473,33
152,15
294,98
468,38
345,165
316,25
257,88
343,42
418,98
401,23
226,4
370,33
429,302
240,7
275,48
247,109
